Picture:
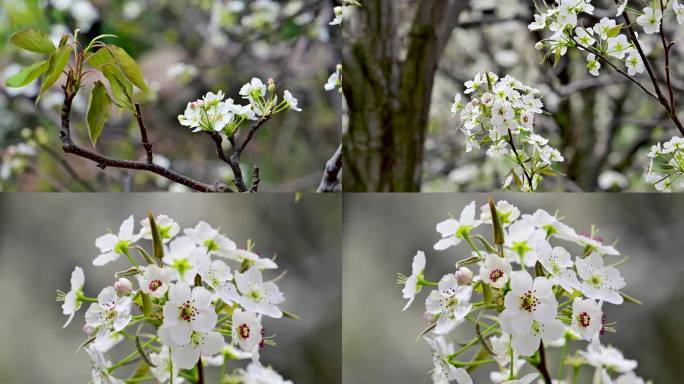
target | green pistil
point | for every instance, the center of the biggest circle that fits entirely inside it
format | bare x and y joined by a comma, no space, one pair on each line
463,231
182,266
521,248
211,245
122,247
164,232
254,295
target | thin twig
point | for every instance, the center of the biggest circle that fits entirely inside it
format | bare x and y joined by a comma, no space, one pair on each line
252,130
330,181
143,134
68,146
231,158
666,47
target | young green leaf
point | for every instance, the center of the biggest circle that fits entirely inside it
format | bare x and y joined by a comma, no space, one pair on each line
98,111
27,74
113,54
57,62
158,247
32,40
612,32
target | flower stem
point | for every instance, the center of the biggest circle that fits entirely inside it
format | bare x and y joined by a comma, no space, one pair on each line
542,365
200,372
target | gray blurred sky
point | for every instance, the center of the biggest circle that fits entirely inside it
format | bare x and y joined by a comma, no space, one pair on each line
42,237
383,232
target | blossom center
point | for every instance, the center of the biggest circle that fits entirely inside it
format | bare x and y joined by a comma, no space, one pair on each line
495,275
187,311
528,301
584,319
244,331
211,245
154,285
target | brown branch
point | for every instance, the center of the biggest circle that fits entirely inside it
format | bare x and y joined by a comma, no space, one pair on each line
671,109
143,134
252,130
231,158
68,146
256,180
330,181
666,47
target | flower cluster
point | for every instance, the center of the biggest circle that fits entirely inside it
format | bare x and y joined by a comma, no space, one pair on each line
212,114
187,294
528,292
603,40
502,112
667,164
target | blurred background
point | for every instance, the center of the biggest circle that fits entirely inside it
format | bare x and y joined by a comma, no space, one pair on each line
383,232
186,49
42,238
604,126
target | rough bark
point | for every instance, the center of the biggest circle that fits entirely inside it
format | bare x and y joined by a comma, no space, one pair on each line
388,85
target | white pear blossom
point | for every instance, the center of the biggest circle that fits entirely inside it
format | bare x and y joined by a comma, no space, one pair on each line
558,263
253,90
256,295
155,281
495,271
258,374
100,365
113,246
507,212
167,228
450,302
618,46
111,313
529,300
205,236
247,331
587,318
291,101
412,285
443,372
522,241
599,282
593,65
334,80
72,303
184,258
453,231
527,379
217,275
678,11
338,16
163,367
601,356
634,63
188,311
185,356
249,259
650,20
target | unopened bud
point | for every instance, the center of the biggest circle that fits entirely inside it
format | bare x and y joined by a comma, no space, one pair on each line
464,276
88,329
271,86
428,317
539,46
123,286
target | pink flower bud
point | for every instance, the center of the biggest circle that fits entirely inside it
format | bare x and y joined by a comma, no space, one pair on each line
428,317
88,329
464,276
123,287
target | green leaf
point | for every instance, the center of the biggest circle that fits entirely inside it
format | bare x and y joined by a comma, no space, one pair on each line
27,74
122,89
496,222
117,55
612,32
57,62
98,111
32,40
156,237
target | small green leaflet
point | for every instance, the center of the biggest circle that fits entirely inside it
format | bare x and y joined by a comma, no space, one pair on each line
57,62
27,74
111,54
98,111
32,40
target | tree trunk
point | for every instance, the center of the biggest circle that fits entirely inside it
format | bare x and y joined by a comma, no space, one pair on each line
388,94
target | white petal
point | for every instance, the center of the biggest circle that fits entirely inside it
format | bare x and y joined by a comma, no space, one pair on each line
447,227
213,343
446,243
105,259
186,356
126,229
462,376
106,242
77,278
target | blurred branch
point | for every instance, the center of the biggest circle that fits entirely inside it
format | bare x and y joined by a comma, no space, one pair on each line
330,181
68,146
67,167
